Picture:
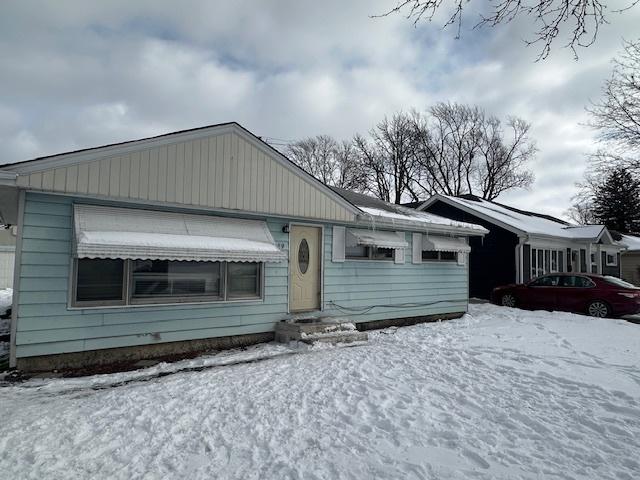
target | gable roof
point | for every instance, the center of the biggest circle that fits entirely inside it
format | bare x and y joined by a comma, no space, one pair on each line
221,166
390,213
521,221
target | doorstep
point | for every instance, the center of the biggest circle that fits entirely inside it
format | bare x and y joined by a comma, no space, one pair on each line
313,328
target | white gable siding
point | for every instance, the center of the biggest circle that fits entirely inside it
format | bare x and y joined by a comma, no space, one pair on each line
218,171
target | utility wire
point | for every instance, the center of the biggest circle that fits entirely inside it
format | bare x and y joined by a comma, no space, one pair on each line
363,310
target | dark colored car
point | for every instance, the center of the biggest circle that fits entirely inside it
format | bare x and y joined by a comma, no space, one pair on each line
594,295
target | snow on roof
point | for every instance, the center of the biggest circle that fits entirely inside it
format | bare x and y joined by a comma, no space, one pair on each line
420,217
632,242
528,222
390,212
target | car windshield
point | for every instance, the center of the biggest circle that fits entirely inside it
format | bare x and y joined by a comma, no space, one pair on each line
618,282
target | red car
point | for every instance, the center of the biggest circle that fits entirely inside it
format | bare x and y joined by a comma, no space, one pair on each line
595,295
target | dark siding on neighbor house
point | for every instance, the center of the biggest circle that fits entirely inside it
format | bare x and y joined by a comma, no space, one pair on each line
608,270
492,258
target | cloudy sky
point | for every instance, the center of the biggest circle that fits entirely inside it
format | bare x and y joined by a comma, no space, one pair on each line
78,74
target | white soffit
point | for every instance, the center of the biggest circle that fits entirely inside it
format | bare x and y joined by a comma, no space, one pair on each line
375,238
445,244
111,232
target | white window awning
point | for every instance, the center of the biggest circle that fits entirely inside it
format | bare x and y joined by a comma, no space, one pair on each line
127,233
445,244
375,238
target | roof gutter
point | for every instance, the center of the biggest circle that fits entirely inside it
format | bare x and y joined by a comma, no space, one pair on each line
8,178
367,220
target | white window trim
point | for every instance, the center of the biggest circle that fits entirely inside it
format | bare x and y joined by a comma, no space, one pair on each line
615,259
536,270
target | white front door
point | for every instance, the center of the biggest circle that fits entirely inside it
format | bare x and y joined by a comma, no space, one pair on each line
304,268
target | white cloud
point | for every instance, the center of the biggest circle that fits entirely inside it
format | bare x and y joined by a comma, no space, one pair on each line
81,74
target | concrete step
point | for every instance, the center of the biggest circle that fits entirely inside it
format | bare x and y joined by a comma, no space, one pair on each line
331,330
337,337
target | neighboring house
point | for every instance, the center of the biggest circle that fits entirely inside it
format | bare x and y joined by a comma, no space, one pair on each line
631,258
206,238
523,245
7,255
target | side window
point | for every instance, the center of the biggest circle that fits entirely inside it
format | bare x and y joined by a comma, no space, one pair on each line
361,252
99,281
584,282
439,256
576,281
548,281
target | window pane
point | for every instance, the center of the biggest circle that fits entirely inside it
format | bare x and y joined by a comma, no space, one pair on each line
165,278
576,281
99,280
547,265
382,253
243,280
357,251
448,256
429,255
540,269
548,281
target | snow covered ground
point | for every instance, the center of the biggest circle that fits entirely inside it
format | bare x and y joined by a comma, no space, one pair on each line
6,296
500,393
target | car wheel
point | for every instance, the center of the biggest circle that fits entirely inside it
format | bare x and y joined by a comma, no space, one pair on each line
598,309
508,300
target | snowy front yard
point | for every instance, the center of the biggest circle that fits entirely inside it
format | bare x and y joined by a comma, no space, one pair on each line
6,295
501,393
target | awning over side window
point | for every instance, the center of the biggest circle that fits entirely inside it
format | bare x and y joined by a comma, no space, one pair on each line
445,244
375,238
110,232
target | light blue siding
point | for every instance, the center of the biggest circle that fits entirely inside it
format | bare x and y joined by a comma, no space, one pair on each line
392,290
47,326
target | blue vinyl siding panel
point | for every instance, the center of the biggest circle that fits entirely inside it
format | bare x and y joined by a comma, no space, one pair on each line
47,326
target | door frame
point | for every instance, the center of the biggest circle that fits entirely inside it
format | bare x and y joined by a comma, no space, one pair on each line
321,264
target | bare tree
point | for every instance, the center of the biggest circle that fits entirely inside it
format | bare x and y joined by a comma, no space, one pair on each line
582,18
333,163
581,212
617,115
448,137
462,150
502,160
389,156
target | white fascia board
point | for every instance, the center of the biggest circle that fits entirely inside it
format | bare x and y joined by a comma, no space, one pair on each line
540,241
179,207
471,211
367,220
